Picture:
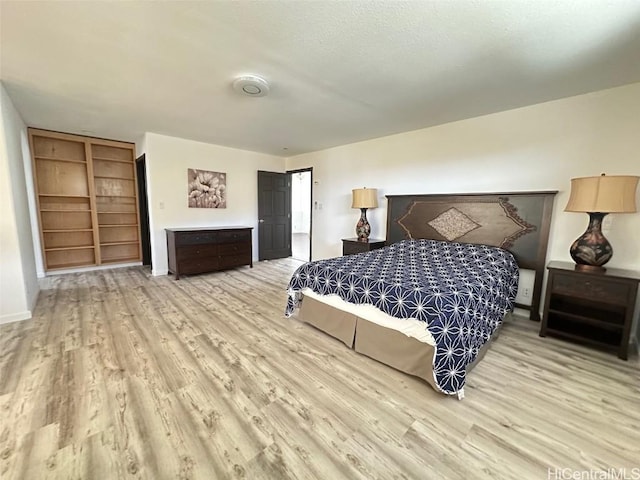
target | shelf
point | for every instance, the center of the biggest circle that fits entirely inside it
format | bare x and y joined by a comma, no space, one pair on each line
118,225
581,339
120,259
616,327
116,196
56,195
58,210
588,308
128,179
587,300
107,201
119,243
66,221
68,239
68,258
104,159
57,249
584,331
67,230
70,265
56,159
64,204
111,212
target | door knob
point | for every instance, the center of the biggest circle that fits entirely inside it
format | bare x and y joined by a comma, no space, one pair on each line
261,220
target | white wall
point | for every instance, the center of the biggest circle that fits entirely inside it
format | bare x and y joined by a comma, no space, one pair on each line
141,146
168,159
540,147
18,279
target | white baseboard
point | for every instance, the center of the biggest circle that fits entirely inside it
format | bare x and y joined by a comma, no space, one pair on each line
15,317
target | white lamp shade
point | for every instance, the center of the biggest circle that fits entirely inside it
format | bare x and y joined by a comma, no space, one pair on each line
365,198
604,194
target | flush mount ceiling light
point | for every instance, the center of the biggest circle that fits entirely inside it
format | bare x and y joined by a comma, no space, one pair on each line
251,86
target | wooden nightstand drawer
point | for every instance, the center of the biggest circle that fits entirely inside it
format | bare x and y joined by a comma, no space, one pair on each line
352,246
605,290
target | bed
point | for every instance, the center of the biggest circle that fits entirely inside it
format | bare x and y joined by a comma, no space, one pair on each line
434,298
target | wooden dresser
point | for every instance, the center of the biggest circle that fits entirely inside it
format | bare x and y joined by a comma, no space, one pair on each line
207,249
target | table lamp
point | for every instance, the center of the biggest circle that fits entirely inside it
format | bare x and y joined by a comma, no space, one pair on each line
599,196
364,198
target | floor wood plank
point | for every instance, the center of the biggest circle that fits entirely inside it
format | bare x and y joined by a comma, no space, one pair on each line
124,375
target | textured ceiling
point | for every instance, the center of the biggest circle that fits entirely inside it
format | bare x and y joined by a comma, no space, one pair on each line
340,72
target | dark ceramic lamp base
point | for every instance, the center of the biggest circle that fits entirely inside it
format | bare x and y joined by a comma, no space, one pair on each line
363,229
592,250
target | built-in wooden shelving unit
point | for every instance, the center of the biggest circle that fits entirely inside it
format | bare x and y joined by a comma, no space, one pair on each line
87,199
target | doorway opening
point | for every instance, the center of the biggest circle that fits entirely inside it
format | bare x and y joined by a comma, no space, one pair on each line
143,206
301,221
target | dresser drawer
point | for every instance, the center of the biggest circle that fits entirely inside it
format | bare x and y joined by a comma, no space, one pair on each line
591,287
196,238
234,236
234,248
230,261
201,265
197,251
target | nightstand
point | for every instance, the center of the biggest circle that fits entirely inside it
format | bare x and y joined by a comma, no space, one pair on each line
592,308
351,246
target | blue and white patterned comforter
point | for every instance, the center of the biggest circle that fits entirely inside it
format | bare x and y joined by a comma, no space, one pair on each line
461,291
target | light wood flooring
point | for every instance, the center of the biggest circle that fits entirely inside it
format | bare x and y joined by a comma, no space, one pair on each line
124,375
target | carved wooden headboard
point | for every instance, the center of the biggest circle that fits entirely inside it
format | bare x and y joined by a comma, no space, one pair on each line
518,222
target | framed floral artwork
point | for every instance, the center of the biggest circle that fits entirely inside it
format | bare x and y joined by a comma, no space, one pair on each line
207,189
